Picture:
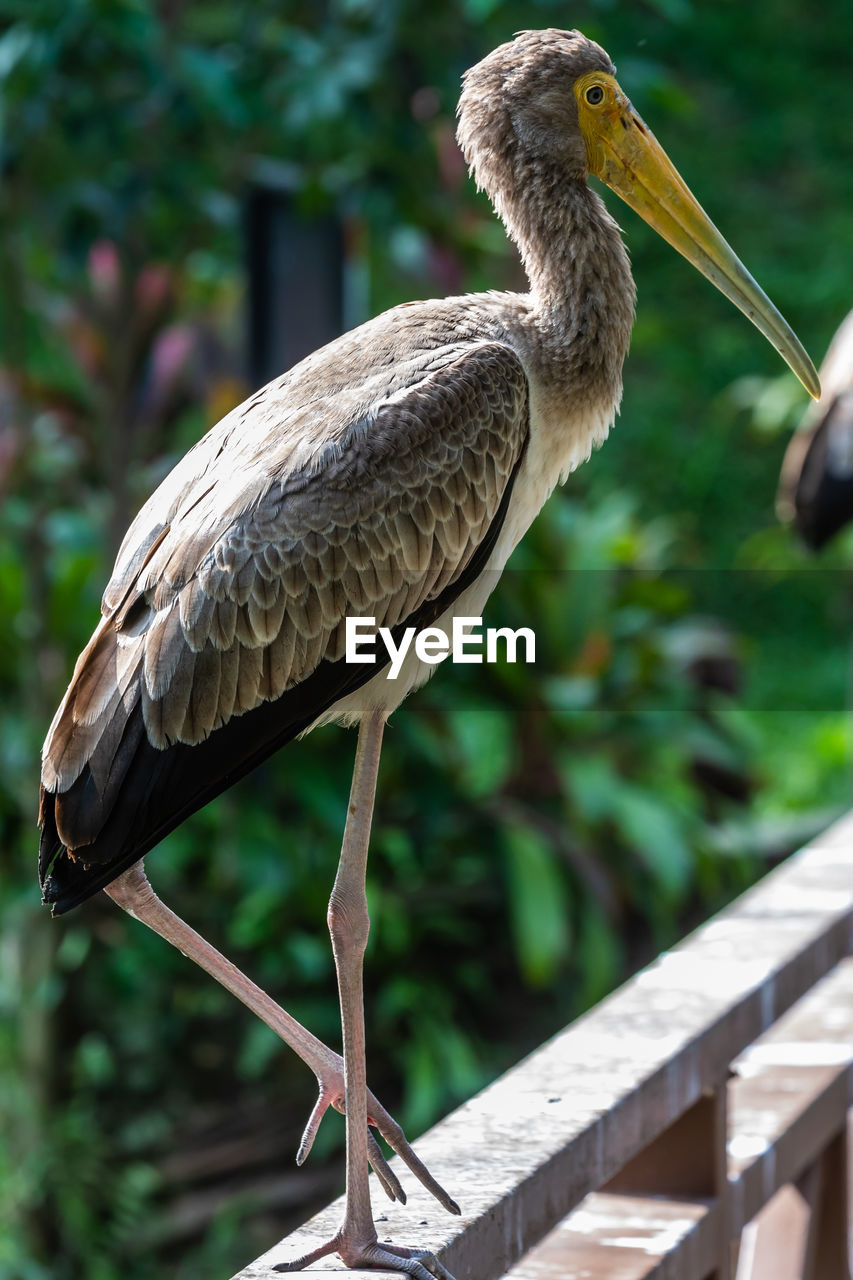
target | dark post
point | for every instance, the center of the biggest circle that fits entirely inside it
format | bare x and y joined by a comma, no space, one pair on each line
296,276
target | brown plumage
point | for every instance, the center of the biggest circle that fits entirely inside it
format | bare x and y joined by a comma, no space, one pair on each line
228,596
391,474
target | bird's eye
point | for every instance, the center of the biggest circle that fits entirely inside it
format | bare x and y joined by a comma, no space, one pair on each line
594,95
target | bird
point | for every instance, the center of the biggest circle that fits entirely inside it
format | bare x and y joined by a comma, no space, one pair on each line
816,482
387,476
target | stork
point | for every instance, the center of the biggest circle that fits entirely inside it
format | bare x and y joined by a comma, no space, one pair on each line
816,483
388,475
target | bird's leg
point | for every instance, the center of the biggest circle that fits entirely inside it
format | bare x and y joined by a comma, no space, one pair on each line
349,924
133,892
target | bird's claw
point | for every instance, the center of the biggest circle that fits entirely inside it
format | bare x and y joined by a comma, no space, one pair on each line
422,1264
321,1106
391,1131
388,1180
398,1142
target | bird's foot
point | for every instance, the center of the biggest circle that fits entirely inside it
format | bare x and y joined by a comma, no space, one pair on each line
420,1263
332,1095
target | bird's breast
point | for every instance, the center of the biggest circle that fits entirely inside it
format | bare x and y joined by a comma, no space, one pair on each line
562,436
565,428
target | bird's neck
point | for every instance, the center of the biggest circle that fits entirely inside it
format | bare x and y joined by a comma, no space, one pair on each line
582,292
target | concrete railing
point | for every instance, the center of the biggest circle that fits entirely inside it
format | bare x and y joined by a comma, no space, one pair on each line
691,1126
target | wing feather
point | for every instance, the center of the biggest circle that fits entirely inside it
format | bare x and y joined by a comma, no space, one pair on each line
164,646
229,673
196,613
223,624
203,709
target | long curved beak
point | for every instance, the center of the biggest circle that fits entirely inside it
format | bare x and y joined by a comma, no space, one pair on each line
625,154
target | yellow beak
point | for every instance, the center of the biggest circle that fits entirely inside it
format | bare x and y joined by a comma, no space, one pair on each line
624,153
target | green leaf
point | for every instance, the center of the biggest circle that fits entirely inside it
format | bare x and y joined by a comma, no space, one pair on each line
259,1047
485,745
656,836
538,905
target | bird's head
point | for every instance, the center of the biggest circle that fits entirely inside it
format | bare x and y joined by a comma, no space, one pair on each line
548,103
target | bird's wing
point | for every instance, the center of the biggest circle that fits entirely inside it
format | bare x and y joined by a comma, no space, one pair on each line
230,595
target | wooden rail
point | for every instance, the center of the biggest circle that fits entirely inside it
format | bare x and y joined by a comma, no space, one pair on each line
690,1127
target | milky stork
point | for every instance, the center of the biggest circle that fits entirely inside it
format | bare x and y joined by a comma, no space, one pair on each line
389,475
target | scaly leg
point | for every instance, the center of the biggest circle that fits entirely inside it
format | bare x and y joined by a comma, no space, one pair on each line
132,891
349,924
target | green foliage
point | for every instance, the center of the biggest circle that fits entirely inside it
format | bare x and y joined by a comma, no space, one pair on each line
540,830
538,908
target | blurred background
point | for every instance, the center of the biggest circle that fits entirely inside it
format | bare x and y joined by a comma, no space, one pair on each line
193,196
